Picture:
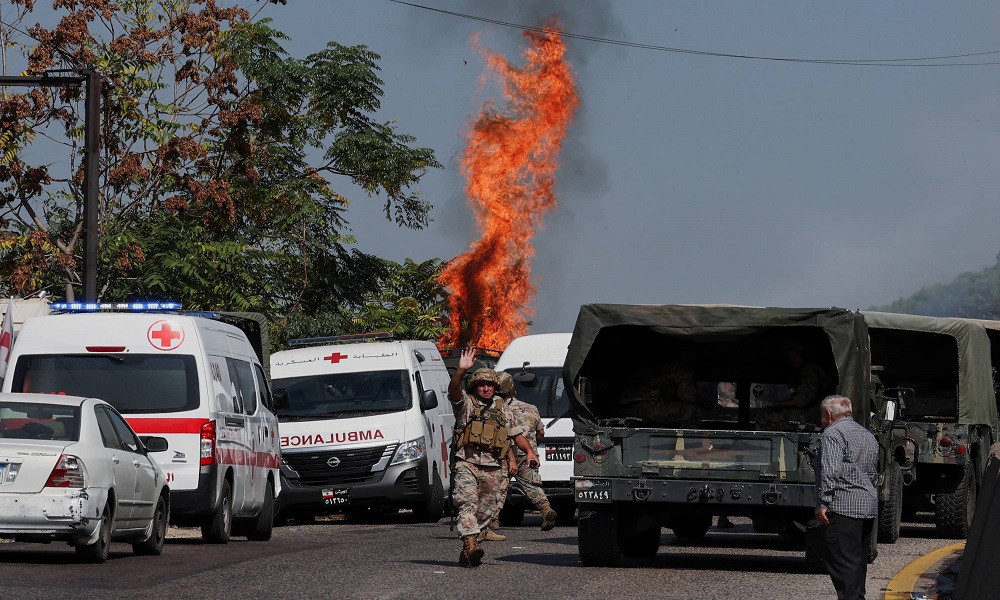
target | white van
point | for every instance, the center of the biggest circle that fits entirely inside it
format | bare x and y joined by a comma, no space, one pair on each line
193,380
536,362
368,426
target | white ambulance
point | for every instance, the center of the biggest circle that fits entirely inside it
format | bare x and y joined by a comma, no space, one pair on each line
536,362
195,380
368,426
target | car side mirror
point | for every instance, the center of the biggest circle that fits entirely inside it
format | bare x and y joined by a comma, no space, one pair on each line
281,401
154,443
428,400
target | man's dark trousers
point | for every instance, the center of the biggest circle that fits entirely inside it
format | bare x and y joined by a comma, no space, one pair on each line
847,542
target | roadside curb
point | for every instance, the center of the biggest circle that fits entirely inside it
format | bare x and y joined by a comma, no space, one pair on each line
919,579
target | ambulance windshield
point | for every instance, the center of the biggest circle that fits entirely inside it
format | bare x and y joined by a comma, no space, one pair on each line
342,395
132,383
545,391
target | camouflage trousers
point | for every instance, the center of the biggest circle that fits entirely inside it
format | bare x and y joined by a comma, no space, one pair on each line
477,495
531,482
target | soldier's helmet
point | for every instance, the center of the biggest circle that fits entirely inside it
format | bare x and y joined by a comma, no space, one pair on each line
483,376
505,384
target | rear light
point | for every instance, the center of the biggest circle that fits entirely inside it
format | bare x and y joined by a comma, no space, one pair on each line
68,473
208,443
960,449
945,442
598,451
115,349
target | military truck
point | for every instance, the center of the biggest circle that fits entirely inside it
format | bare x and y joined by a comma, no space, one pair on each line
634,475
941,371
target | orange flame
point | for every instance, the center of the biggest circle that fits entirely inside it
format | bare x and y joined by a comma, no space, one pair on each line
509,163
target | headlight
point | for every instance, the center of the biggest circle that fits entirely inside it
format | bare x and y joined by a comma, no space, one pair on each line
410,451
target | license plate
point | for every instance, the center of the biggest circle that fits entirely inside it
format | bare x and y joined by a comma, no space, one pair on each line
336,497
592,490
562,452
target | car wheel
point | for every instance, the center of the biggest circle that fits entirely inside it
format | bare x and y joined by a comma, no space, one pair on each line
890,511
511,516
259,530
153,545
98,551
218,530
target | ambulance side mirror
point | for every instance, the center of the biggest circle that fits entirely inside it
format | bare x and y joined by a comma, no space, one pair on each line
428,400
281,399
154,443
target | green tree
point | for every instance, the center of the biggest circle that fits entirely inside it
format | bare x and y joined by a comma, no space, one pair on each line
409,302
973,295
221,165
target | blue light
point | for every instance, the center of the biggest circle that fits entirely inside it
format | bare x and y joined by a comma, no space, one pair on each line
79,307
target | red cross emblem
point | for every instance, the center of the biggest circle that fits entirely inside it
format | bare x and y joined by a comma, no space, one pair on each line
336,357
165,335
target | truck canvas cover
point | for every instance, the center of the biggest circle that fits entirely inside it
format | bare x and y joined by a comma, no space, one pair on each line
975,377
610,340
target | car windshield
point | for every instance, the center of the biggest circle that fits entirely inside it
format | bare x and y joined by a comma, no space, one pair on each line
545,391
37,421
342,395
132,383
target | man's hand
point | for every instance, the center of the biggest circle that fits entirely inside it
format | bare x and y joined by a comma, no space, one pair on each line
821,516
467,359
533,460
511,466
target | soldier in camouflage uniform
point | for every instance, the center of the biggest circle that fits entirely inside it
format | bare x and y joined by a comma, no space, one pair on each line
808,383
484,430
527,418
666,396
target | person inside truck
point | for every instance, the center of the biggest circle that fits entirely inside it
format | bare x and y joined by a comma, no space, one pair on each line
665,395
807,381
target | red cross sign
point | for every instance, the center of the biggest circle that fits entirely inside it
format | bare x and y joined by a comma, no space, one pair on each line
165,335
336,357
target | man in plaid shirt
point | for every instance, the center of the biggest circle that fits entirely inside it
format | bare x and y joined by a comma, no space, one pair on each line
847,498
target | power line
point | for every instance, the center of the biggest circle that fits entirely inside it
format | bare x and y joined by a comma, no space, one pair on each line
872,62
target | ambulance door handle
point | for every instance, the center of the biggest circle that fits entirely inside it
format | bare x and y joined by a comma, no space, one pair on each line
234,421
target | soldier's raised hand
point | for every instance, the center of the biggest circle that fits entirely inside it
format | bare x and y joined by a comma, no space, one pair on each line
467,359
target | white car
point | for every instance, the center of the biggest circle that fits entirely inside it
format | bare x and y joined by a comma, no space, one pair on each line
72,469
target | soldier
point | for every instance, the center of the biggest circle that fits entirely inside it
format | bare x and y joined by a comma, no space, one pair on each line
666,396
484,431
527,418
808,382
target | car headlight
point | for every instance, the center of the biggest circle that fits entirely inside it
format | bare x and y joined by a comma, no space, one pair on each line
410,451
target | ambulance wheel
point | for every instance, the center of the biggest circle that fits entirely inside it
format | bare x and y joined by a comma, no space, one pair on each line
98,551
434,509
259,529
220,527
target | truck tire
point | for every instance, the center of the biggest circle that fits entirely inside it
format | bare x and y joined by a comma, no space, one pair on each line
644,544
814,548
890,511
955,504
511,516
692,529
597,536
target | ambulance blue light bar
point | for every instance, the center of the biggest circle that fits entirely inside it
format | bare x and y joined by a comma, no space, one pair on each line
78,307
349,338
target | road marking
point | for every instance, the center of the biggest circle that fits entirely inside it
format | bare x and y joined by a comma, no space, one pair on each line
901,586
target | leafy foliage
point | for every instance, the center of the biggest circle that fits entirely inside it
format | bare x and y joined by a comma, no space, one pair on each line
221,165
973,295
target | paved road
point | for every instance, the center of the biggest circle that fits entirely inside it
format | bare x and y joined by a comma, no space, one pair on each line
395,559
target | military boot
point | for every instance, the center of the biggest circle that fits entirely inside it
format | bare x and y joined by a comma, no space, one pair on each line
491,536
472,554
549,517
495,523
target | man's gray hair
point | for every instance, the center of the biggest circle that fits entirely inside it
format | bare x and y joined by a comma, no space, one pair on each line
837,405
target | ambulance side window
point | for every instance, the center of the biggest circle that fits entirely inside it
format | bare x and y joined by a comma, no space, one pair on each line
241,374
265,390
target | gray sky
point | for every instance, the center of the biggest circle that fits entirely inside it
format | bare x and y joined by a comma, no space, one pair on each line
698,179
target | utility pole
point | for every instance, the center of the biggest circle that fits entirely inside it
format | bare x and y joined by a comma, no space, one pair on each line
91,82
